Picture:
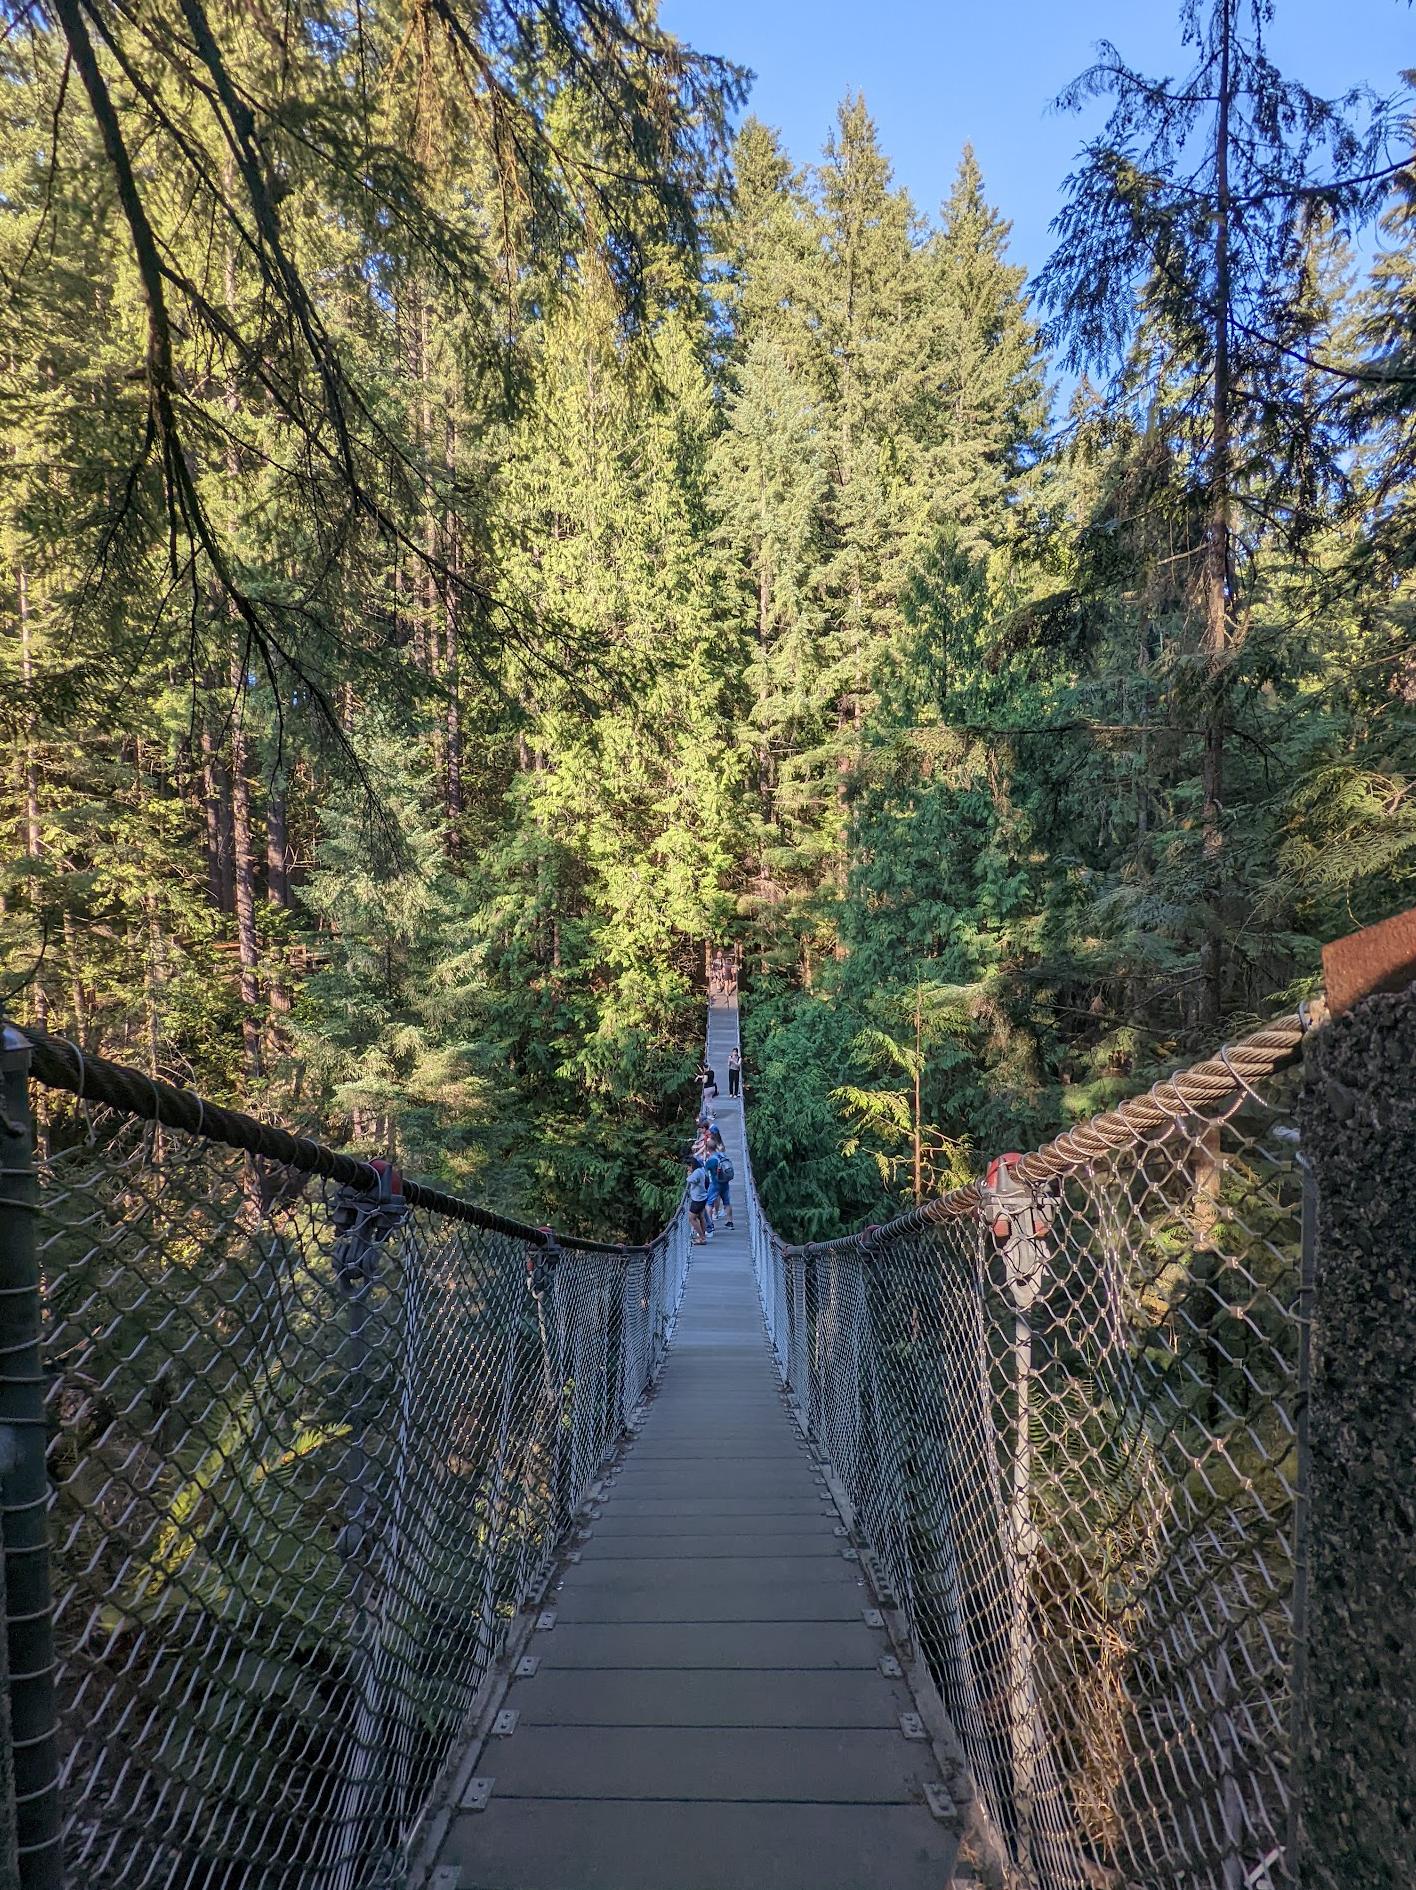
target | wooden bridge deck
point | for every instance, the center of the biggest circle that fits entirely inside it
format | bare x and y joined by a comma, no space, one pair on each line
709,1711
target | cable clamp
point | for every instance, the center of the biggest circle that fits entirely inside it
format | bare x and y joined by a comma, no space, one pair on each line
364,1217
541,1265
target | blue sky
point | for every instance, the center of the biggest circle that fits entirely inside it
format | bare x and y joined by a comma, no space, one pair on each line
936,75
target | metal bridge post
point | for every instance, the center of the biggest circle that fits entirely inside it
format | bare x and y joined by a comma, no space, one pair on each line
797,1366
24,1491
1357,1678
541,1280
363,1219
628,1389
809,1394
1019,1228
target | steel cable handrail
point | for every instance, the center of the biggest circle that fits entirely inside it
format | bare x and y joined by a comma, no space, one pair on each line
1233,1069
60,1064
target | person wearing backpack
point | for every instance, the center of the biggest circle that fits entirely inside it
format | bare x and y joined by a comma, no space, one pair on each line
720,1165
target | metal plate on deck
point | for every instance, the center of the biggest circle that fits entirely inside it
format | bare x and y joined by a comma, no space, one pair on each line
478,1794
545,1620
891,1667
526,1666
504,1725
940,1803
872,1617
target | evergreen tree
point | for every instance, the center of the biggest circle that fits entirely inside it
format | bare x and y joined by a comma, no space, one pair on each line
869,318
1189,208
983,402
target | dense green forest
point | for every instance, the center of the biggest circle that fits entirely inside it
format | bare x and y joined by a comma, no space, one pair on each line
482,522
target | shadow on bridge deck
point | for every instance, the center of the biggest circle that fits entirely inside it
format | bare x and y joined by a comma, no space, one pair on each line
709,1711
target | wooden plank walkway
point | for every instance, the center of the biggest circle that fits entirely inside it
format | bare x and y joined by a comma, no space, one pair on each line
709,1711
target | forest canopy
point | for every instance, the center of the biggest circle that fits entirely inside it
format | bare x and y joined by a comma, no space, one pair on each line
482,522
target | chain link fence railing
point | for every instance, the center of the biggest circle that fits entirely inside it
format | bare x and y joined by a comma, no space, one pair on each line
1067,1406
303,1440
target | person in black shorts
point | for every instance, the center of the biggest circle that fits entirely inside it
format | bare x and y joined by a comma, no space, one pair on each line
699,1186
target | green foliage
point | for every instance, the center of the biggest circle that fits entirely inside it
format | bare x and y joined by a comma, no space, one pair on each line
577,569
1008,736
368,687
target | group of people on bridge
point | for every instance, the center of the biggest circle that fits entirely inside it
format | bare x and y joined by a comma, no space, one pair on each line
709,1165
722,974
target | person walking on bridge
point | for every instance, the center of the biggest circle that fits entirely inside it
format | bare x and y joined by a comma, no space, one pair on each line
720,1169
699,1185
734,1072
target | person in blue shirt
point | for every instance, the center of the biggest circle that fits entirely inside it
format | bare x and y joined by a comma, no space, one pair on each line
720,1172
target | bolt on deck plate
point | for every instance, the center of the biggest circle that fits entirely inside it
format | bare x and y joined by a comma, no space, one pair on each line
445,1877
872,1617
912,1726
546,1620
840,1530
851,1555
478,1794
527,1665
891,1667
504,1725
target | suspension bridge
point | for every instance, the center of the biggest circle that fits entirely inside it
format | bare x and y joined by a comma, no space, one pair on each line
708,1687
357,1536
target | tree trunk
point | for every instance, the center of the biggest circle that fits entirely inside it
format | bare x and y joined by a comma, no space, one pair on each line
918,1112
244,865
152,985
1208,1149
34,844
78,995
453,752
277,845
452,676
277,890
216,805
426,640
1216,564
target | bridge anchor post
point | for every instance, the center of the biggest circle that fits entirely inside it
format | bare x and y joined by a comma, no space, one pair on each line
31,1821
1353,1775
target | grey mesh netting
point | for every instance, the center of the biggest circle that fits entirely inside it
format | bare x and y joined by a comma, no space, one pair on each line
1065,1410
313,1442
312,1447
